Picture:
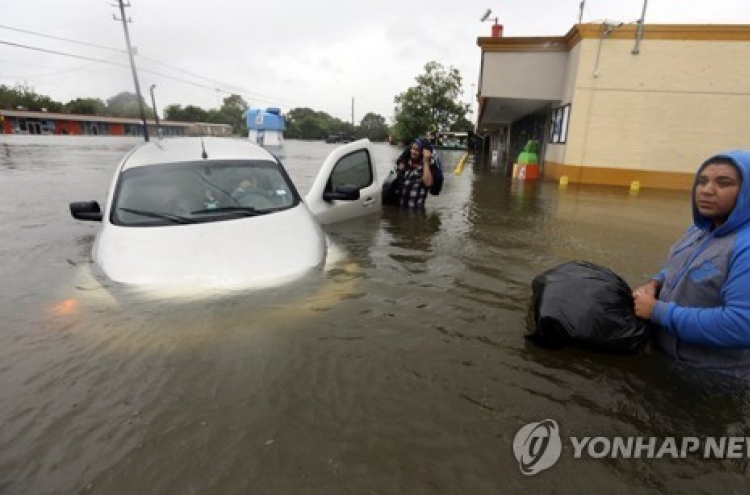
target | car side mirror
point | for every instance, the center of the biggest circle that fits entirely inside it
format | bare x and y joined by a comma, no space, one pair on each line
342,193
86,210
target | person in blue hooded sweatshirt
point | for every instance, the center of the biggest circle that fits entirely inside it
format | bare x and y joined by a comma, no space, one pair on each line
700,300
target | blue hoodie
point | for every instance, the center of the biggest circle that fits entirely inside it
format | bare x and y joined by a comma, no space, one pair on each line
703,310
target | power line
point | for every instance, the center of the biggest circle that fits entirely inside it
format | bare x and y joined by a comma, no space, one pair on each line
251,95
63,71
54,52
61,39
258,96
242,91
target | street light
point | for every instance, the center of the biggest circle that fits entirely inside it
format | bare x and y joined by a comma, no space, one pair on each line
156,112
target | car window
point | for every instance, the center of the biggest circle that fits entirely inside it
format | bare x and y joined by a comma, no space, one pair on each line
354,169
190,192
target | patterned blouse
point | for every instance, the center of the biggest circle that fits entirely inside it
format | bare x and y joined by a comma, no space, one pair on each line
413,192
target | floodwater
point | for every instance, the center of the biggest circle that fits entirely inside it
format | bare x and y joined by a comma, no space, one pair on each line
406,371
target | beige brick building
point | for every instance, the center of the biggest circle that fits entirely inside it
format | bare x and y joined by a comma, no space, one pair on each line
610,107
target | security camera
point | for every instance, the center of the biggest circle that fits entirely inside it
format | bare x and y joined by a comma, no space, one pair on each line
486,15
612,24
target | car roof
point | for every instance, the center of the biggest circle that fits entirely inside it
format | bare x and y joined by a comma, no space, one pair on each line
190,149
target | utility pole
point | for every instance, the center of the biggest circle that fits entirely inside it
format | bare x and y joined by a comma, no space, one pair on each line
156,112
352,111
580,11
132,67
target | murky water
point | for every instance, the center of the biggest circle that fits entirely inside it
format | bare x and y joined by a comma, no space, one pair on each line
405,372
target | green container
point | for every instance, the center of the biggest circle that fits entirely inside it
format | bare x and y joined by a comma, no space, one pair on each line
528,155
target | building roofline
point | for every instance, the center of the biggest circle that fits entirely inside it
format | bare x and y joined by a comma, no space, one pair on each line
98,118
683,32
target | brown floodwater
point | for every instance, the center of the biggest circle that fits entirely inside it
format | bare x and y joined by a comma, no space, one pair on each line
404,370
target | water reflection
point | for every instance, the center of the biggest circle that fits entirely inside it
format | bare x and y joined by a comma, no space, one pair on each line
411,229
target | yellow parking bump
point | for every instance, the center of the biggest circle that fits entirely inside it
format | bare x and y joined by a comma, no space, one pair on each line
461,164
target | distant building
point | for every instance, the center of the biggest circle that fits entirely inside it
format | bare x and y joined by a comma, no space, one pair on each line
265,126
609,106
33,122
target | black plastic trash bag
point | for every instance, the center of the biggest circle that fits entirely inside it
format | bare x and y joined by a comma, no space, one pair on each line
582,304
390,189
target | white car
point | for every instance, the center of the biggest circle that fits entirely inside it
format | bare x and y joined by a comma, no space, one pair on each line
222,212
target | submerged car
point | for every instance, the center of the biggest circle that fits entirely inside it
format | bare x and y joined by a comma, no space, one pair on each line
222,212
340,137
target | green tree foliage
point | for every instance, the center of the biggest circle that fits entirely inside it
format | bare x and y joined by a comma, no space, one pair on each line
190,113
232,111
23,95
125,104
305,123
433,103
86,106
462,125
373,127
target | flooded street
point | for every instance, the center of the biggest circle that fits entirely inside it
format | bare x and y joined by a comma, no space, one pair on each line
403,371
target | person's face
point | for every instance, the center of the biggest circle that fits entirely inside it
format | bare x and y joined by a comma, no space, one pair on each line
716,191
416,152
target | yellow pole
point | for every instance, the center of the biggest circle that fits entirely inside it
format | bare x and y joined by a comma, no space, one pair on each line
461,164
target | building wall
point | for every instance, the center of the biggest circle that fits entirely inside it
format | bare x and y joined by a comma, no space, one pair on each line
652,117
74,124
664,110
116,129
67,127
557,152
539,76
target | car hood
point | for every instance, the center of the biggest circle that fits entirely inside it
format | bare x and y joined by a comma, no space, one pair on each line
249,251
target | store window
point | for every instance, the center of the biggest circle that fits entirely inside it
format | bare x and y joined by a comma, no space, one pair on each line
558,129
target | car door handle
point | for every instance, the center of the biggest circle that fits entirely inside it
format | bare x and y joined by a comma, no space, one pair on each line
368,202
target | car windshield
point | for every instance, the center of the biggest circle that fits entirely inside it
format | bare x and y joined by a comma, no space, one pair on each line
192,192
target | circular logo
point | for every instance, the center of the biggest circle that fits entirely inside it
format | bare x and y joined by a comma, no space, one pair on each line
537,446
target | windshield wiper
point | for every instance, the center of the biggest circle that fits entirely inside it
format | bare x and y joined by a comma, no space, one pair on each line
154,214
248,211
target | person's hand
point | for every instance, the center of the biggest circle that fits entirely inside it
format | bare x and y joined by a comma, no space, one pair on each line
650,289
644,299
427,154
644,304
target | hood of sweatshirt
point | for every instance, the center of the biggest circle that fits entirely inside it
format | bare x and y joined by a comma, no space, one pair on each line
741,213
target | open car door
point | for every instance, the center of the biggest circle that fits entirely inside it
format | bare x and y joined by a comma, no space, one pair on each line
347,185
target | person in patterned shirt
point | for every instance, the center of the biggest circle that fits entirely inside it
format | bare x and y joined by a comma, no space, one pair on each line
414,174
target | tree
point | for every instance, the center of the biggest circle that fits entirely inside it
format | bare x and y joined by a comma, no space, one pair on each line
86,106
231,113
125,104
305,123
190,113
373,127
24,96
432,104
462,125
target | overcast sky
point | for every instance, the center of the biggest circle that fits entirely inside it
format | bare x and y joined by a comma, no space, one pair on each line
288,53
